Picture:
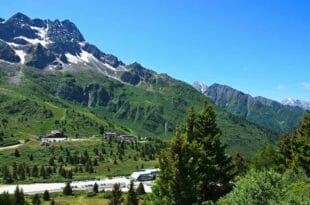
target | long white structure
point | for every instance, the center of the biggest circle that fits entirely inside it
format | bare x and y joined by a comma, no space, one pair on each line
104,184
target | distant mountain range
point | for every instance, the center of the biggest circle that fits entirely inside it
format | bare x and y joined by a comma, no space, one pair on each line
262,111
296,103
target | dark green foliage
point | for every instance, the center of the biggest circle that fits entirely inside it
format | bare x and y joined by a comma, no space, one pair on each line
195,167
268,188
36,199
19,198
279,174
177,181
53,202
292,151
140,190
215,166
67,189
267,158
7,176
6,199
96,188
46,196
131,198
116,195
240,165
91,194
16,153
294,148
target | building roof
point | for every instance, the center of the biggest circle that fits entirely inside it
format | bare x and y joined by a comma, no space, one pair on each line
135,175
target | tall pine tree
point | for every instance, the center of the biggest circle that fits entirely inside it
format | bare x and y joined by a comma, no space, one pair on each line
194,168
215,167
177,180
294,148
116,195
19,198
131,198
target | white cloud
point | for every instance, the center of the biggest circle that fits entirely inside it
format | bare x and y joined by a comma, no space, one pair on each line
306,85
280,87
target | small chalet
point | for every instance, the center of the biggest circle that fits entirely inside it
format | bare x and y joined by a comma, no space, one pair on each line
119,138
144,175
54,136
128,138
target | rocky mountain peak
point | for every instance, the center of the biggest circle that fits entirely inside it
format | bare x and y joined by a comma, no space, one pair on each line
19,19
296,103
201,87
53,45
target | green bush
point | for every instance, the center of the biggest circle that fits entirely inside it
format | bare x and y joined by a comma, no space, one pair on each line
107,195
268,188
91,194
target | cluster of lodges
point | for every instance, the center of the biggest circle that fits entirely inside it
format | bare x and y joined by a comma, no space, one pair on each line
111,136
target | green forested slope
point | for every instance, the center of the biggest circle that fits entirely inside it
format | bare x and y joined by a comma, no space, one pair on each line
82,102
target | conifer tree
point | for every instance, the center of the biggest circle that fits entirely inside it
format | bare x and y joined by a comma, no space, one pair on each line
295,147
239,164
35,171
36,199
16,153
140,190
6,199
21,172
215,168
190,123
67,189
194,168
46,196
43,172
19,198
177,181
6,174
95,188
116,195
131,198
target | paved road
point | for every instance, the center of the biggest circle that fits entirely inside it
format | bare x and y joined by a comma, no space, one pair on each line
106,184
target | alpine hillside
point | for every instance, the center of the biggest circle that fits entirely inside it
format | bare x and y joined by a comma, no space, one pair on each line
52,78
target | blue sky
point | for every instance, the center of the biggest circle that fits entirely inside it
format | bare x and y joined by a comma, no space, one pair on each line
261,47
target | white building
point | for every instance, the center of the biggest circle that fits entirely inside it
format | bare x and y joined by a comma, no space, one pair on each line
144,175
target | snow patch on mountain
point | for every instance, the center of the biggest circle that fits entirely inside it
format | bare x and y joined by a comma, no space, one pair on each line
21,54
13,44
72,58
33,41
201,87
297,103
85,56
109,66
42,33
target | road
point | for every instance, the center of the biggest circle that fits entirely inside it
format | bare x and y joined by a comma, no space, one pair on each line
106,184
21,143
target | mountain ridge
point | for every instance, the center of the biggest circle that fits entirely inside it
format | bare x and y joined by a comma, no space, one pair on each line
260,110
